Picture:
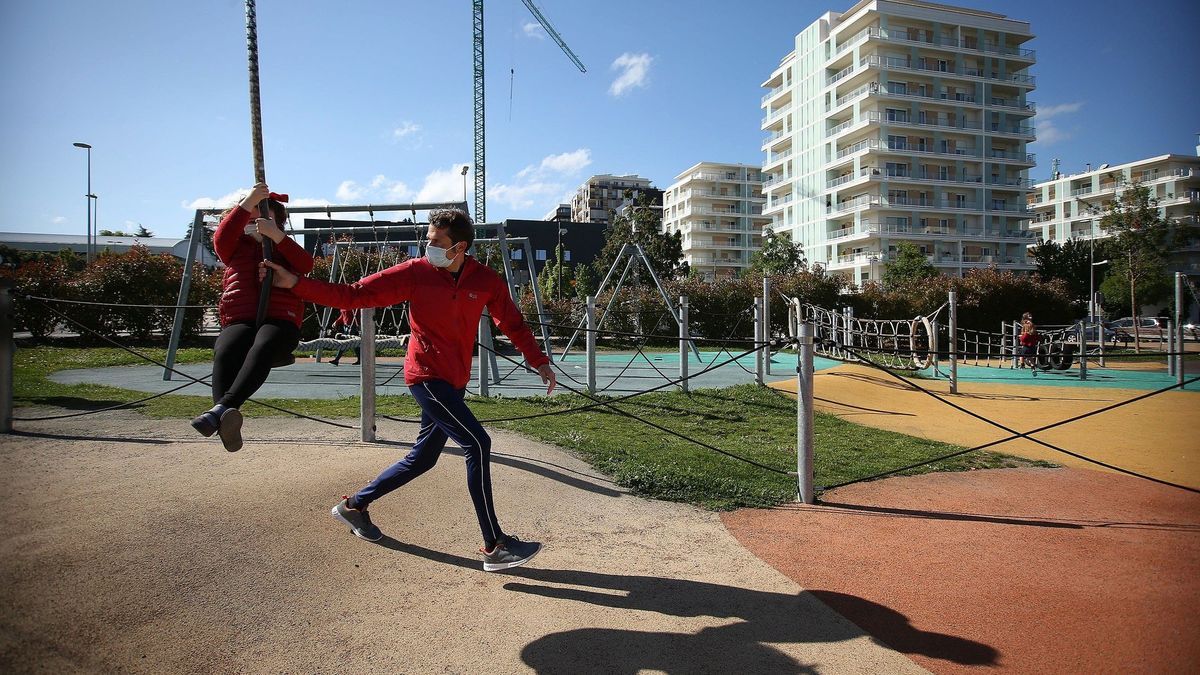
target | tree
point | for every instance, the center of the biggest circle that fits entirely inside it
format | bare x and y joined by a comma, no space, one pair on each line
142,231
778,255
585,281
1070,261
910,265
644,227
1141,238
206,236
113,233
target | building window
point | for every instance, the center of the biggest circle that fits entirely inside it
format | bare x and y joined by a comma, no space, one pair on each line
518,254
566,256
540,254
897,142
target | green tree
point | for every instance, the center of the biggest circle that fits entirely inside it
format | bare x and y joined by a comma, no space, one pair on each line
585,281
142,231
113,233
778,255
910,265
1070,261
644,227
1141,239
552,273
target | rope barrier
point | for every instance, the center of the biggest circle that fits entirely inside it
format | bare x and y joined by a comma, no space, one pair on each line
1026,435
109,304
109,408
193,379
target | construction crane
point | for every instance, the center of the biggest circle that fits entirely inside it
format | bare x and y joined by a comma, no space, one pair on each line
477,26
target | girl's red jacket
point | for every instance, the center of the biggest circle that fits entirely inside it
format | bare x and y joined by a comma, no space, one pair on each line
241,255
443,313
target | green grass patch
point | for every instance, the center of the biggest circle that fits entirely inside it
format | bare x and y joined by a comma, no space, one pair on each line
755,422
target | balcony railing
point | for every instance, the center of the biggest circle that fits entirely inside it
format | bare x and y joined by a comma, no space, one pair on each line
770,94
840,75
776,180
773,157
938,122
774,114
863,201
1025,157
946,41
774,136
894,63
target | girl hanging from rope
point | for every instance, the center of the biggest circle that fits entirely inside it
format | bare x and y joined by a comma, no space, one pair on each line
1029,343
244,353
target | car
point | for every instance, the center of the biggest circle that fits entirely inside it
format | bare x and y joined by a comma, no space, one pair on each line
1091,332
1149,328
1143,322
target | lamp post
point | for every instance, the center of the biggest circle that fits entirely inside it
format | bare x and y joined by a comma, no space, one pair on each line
465,169
558,260
89,197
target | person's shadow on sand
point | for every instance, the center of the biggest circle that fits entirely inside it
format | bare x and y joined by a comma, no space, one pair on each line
758,619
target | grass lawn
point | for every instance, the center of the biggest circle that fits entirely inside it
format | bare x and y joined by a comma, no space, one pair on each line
755,422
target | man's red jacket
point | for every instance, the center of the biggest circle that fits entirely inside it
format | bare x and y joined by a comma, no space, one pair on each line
443,313
241,255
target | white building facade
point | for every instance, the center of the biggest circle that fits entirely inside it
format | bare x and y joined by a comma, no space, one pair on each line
717,208
902,121
1071,206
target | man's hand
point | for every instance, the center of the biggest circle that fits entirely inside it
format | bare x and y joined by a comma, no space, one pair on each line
268,228
282,278
548,377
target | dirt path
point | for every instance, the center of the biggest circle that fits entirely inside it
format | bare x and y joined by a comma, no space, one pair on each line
133,545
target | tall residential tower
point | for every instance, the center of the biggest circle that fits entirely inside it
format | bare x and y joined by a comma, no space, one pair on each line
717,208
902,121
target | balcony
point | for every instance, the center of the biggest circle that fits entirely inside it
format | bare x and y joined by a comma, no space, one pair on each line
777,180
840,75
771,94
894,63
936,122
876,144
1085,190
774,157
776,114
842,180
1020,157
946,41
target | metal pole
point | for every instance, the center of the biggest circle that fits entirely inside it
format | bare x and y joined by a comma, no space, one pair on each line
661,291
603,285
684,339
1016,344
90,197
1170,337
185,288
766,323
366,362
758,339
485,332
804,415
6,355
537,300
1083,349
953,342
590,341
1179,369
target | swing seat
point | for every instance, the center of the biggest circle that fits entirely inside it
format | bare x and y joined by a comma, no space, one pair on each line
284,361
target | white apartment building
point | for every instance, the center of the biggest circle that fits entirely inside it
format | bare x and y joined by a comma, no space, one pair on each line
1071,206
717,208
902,121
601,195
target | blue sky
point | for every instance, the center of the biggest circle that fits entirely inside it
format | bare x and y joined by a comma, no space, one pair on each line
370,101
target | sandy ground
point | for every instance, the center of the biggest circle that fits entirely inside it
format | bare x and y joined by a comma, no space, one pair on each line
1158,436
133,545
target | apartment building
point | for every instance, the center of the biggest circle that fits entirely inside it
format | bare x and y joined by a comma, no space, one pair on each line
600,196
717,207
1071,206
902,121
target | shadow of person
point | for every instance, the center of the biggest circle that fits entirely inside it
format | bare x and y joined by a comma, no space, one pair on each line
759,619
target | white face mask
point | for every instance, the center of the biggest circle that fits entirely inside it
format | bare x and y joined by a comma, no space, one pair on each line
437,256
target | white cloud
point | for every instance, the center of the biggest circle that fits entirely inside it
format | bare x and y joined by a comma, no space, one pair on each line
58,219
443,186
537,184
568,162
534,29
635,71
380,189
406,128
218,203
1048,118
1048,111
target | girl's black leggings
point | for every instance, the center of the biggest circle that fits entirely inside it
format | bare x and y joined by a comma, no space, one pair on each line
242,358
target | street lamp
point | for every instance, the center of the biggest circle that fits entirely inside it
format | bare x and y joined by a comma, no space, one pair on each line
558,261
89,196
465,169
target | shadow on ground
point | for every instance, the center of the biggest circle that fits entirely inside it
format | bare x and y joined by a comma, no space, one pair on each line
759,619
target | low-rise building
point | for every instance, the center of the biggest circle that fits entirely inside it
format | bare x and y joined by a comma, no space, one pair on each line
597,199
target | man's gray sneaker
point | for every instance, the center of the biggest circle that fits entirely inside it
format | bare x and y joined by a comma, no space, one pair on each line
509,552
358,520
231,429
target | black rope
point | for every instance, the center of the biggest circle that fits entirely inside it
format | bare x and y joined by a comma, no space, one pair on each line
109,408
609,404
110,304
193,379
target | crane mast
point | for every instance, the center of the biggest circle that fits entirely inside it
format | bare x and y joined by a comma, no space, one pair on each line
477,52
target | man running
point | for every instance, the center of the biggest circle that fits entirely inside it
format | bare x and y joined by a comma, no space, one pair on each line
447,291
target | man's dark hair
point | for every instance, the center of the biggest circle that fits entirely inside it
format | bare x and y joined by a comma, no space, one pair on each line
456,222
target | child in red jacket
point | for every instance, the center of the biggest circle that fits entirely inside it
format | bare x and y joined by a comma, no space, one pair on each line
447,291
244,353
